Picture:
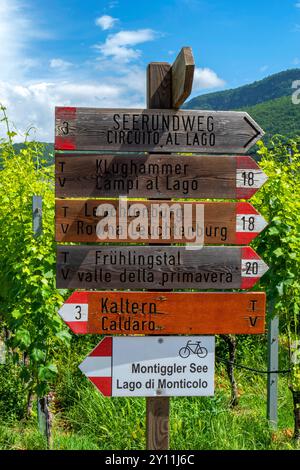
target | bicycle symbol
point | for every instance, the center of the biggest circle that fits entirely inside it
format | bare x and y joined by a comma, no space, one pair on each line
193,348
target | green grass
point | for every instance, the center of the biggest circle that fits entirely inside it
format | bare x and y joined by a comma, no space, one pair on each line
84,420
94,422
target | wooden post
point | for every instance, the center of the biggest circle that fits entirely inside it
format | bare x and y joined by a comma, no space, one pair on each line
44,418
37,216
272,389
167,87
159,96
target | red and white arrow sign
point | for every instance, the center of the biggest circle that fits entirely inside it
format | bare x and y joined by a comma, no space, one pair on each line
75,312
249,177
252,267
249,223
152,366
97,366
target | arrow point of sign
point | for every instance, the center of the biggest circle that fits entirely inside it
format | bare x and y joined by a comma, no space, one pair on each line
247,167
74,312
252,267
258,132
249,223
97,366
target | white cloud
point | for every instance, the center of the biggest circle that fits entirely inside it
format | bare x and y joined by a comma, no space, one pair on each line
118,46
17,31
60,64
33,104
296,61
31,101
297,5
206,78
106,22
14,29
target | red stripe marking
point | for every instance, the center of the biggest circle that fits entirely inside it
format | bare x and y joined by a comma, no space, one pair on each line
245,208
104,384
104,348
243,238
245,193
78,327
78,298
246,163
249,253
65,143
248,282
63,112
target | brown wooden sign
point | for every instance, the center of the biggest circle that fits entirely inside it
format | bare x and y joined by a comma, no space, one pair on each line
163,176
157,267
154,313
155,130
157,222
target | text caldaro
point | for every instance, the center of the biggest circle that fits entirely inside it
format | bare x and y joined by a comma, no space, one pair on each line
162,129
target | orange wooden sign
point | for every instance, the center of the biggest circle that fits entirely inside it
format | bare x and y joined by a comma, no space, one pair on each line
156,313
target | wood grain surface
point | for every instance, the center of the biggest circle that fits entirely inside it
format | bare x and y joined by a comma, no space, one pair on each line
155,130
152,313
149,267
159,95
159,176
182,77
211,223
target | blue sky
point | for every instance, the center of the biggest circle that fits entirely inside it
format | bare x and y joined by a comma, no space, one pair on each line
94,53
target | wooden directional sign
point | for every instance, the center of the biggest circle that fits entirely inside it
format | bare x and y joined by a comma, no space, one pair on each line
152,366
155,130
157,222
171,313
142,175
157,267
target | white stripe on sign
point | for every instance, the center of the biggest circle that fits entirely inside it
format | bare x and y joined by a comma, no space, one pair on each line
96,366
253,267
74,312
250,178
250,223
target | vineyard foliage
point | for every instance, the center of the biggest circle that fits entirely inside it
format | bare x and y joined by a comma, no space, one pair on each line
279,244
28,299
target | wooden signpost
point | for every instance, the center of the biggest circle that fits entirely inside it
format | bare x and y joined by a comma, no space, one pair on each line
169,313
158,176
155,130
182,72
94,220
150,367
157,267
137,366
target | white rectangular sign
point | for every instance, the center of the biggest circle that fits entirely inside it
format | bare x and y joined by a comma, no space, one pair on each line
153,366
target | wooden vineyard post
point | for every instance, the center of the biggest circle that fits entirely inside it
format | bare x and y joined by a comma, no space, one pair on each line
36,216
44,417
159,95
272,386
